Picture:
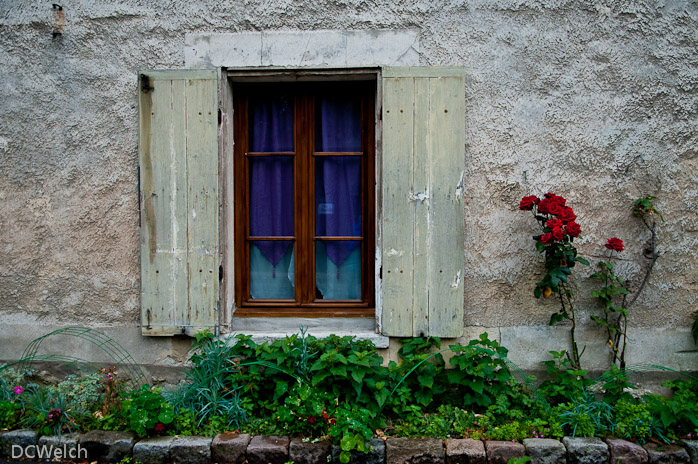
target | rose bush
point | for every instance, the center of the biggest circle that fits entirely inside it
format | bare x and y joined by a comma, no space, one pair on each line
558,231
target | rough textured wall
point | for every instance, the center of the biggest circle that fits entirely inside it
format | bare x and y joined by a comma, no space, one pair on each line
596,101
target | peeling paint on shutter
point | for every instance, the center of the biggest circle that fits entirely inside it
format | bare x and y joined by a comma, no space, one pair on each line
422,218
178,150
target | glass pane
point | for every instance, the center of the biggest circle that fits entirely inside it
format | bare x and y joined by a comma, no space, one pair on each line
271,196
271,123
338,196
338,270
338,123
271,270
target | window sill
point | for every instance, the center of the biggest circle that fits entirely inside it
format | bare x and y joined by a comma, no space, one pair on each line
274,328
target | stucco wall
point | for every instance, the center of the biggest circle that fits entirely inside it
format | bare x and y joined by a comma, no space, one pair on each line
596,101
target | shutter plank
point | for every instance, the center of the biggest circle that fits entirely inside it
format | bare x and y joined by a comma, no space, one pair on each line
447,146
397,224
169,141
420,202
202,183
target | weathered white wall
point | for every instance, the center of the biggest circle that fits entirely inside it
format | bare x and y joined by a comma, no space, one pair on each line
596,101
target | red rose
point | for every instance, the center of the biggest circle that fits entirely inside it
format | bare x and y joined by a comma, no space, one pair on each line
528,202
556,198
311,419
159,427
552,223
567,215
544,206
573,229
546,238
555,208
558,234
615,244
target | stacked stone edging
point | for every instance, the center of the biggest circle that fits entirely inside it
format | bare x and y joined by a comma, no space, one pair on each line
233,448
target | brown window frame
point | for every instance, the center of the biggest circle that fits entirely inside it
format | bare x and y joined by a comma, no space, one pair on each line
305,304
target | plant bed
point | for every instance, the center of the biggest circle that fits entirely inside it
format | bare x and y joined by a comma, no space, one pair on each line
337,391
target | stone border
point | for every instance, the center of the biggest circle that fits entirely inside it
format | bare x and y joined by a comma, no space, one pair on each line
233,448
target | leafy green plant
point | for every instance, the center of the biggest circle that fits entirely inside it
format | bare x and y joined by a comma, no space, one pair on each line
48,411
353,428
564,382
209,389
146,411
585,416
519,460
415,379
9,414
616,385
679,412
480,371
633,420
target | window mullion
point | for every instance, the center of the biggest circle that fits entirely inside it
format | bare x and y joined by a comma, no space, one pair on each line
303,194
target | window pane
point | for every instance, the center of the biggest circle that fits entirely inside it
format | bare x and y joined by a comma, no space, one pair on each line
271,123
338,123
338,270
271,196
271,270
338,196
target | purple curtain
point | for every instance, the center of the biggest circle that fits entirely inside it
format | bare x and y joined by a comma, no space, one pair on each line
338,203
271,177
338,178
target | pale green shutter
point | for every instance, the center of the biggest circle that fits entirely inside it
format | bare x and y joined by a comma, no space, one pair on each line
178,150
422,218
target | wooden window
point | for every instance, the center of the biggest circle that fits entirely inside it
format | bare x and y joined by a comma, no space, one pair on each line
304,198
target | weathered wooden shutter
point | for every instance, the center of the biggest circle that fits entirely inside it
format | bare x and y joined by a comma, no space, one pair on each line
422,218
178,151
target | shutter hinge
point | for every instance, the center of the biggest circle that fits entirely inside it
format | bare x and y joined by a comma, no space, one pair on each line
145,83
139,195
380,273
220,116
220,273
147,316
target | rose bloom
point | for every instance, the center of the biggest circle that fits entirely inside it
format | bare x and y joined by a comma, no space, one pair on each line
546,238
555,208
573,229
615,244
544,206
18,390
528,202
567,215
159,427
556,198
558,234
552,223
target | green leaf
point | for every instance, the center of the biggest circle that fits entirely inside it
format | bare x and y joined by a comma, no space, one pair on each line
581,260
426,381
281,388
358,375
381,396
360,443
555,318
166,416
340,371
344,457
319,377
348,442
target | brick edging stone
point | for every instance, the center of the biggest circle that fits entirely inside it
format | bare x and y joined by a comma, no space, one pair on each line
232,448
